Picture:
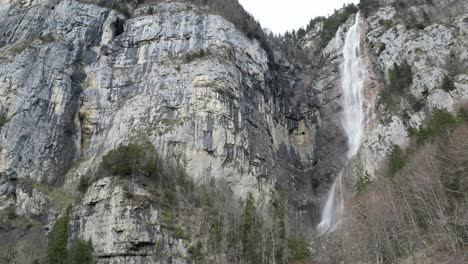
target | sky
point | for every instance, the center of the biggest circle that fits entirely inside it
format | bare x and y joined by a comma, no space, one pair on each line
282,15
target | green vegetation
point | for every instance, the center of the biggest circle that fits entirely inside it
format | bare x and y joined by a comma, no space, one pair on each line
248,234
189,57
57,252
396,161
420,208
17,221
398,89
231,229
3,120
441,122
215,219
299,249
118,5
170,197
462,115
387,24
362,183
195,252
57,195
399,4
179,232
401,77
447,84
168,218
288,247
140,163
333,22
47,38
250,231
83,185
150,10
81,252
367,6
413,23
22,237
133,159
235,13
281,226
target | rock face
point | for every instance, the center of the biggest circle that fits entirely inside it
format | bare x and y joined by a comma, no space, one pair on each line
438,50
122,230
77,80
190,83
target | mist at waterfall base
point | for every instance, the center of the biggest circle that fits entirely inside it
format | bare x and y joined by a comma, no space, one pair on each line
352,82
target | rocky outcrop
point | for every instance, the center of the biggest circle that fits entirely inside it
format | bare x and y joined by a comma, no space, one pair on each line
77,80
122,229
431,53
190,83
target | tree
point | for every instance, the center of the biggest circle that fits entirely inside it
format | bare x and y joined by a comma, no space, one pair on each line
81,252
250,231
281,226
57,240
401,77
366,6
396,161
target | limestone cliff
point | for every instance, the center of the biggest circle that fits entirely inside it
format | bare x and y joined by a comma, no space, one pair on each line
78,79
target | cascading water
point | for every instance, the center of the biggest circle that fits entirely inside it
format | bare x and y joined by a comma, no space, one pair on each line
352,82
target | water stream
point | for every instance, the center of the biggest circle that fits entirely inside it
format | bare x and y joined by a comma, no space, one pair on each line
352,82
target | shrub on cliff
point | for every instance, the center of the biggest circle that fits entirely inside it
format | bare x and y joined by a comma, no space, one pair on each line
133,160
447,84
3,120
195,252
245,22
400,77
441,122
118,5
83,184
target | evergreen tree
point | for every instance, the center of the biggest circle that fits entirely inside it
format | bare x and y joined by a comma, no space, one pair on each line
281,226
251,225
81,252
401,78
57,240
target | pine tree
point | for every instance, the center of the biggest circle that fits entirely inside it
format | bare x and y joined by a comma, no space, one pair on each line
57,240
81,252
281,226
251,225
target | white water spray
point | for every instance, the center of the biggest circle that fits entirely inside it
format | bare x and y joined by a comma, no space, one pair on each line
352,82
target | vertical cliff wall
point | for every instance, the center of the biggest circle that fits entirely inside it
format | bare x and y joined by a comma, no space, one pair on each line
78,79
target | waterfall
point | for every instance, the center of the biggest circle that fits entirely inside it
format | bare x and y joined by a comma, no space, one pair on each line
352,82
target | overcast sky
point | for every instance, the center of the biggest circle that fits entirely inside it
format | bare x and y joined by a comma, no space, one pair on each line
282,15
